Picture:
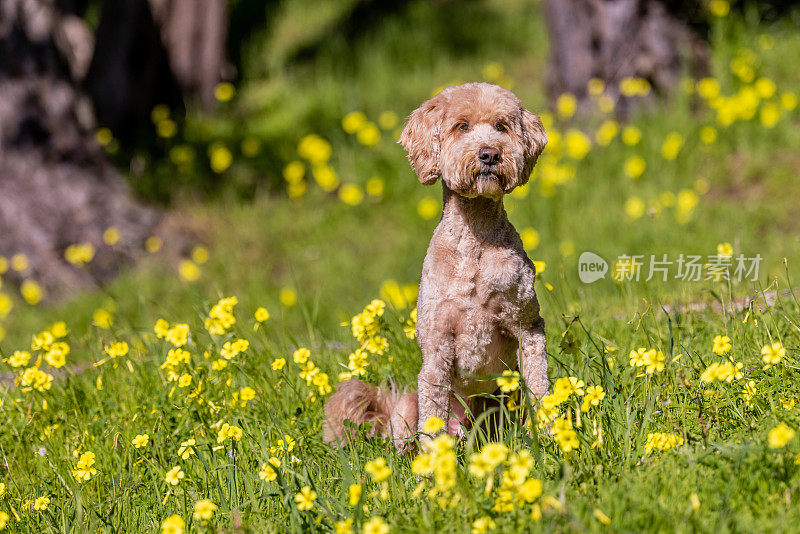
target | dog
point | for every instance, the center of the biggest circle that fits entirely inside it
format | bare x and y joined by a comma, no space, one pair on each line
477,311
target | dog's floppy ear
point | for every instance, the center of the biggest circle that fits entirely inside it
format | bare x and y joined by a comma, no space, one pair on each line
420,138
534,138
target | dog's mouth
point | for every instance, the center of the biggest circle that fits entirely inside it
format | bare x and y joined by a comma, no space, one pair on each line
488,183
487,176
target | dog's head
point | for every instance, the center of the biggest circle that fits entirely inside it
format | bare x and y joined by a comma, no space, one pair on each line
477,137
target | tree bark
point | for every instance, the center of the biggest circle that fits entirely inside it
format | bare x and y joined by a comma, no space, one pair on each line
56,186
616,39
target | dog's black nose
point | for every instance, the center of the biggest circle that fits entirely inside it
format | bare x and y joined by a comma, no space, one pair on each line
489,155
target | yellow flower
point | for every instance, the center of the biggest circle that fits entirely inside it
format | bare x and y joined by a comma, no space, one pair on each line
719,8
343,527
103,136
779,436
140,441
20,358
378,469
566,386
325,177
278,364
654,361
725,250
267,472
566,104
634,86
607,132
174,476
305,499
508,381
118,349
376,525
428,208
374,186
84,470
354,494
287,296
33,378
388,120
294,172
200,255
224,91
631,135
188,270
56,356
433,425
770,115
662,441
31,291
368,135
186,449
219,157
765,88
722,344
185,380
577,144
227,431
153,245
231,349
635,167
314,148
634,208
600,516
166,128
174,524
594,394
672,145
772,354
251,146
41,503
530,238
19,262
351,194
353,121
220,318
261,315
708,134
79,254
482,525
301,355
111,236
204,510
788,101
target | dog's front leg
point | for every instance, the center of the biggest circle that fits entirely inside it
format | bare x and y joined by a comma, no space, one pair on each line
435,378
532,362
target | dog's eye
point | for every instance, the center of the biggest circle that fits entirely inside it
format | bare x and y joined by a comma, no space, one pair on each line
464,127
500,127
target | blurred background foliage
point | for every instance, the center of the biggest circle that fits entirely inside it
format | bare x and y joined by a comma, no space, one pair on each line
301,66
293,180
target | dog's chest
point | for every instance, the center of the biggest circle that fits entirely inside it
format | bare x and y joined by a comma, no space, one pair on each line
491,278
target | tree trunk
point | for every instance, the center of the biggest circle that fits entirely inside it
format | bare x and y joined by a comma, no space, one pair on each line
617,39
56,186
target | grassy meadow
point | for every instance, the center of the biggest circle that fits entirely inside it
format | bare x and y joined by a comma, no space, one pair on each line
187,395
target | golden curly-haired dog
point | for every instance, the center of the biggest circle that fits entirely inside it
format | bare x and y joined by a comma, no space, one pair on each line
477,312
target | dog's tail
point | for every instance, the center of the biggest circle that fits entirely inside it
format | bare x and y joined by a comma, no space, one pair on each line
392,412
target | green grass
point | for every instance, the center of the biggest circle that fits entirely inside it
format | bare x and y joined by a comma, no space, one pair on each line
337,257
